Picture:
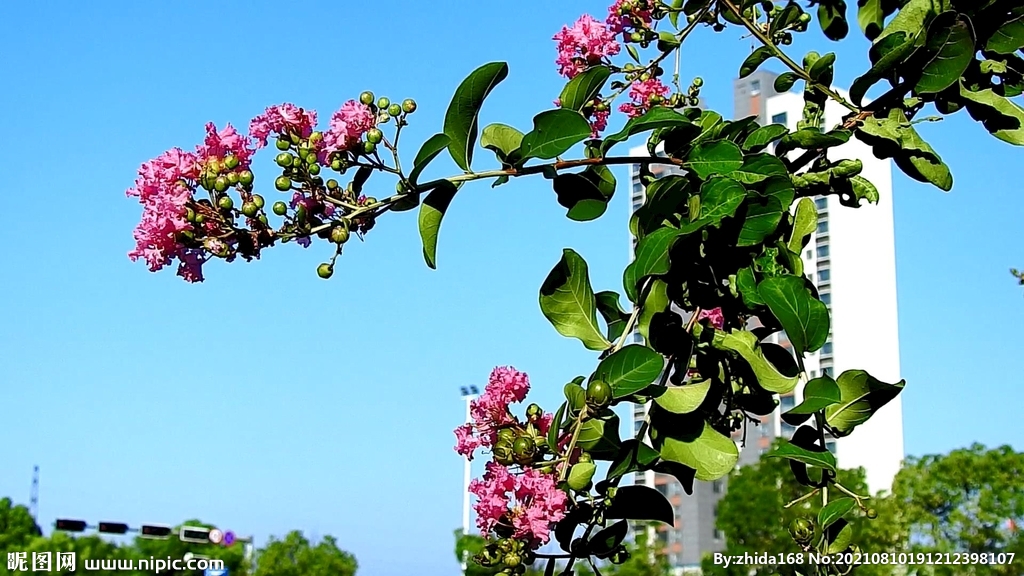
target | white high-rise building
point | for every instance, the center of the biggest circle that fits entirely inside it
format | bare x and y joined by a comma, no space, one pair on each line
852,261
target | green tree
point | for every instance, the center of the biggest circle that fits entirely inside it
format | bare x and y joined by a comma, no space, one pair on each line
295,555
965,501
466,547
17,527
145,548
754,517
646,558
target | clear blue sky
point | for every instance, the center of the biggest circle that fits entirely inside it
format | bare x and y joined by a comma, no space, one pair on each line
267,399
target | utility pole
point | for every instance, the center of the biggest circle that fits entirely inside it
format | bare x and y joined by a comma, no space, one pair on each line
468,394
33,499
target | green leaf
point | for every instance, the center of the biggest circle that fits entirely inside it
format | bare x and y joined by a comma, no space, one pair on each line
580,196
583,88
893,51
761,218
613,314
839,536
720,197
575,395
746,285
581,474
684,399
431,212
756,58
832,17
861,395
805,221
763,136
863,188
639,502
554,133
568,301
951,44
812,138
655,301
630,369
911,19
720,157
785,81
894,137
503,140
657,117
428,151
605,542
819,458
823,69
1000,116
870,17
460,122
633,456
711,454
745,345
556,426
819,394
834,510
600,436
1008,38
651,259
803,317
757,168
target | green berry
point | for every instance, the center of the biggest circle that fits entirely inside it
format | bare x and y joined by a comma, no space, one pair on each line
599,394
231,161
374,135
332,184
245,177
250,209
524,448
409,105
284,159
336,165
280,208
283,183
339,234
325,271
872,513
232,178
220,184
225,203
258,201
314,169
283,144
366,97
394,109
383,103
369,147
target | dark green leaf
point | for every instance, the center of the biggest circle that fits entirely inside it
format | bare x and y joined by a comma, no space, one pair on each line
554,133
870,17
719,157
711,454
861,396
633,456
583,88
744,344
832,17
819,458
892,136
785,81
434,207
604,543
655,302
503,140
720,197
651,259
764,136
566,527
1000,116
1008,38
756,58
641,503
810,139
834,510
761,217
819,394
575,395
555,427
460,122
657,117
684,399
839,536
580,196
893,51
803,317
614,315
600,437
951,45
863,189
430,149
757,168
823,69
630,369
568,301
911,19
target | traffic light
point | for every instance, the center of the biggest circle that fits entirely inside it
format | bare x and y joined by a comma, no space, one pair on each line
113,528
195,534
71,525
155,532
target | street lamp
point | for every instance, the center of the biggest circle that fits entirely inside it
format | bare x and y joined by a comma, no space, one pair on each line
468,394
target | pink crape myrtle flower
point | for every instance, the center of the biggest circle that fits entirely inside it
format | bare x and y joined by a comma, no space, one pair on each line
348,124
530,502
622,21
283,119
221,143
598,122
641,92
490,411
714,317
585,44
164,191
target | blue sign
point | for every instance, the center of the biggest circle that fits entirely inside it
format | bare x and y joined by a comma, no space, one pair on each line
218,572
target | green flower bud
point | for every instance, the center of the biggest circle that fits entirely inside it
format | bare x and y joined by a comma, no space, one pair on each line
336,165
534,412
225,203
698,81
366,97
802,530
284,159
232,178
283,144
314,169
263,219
369,147
384,118
394,109
339,234
200,218
190,215
332,184
374,135
599,394
383,103
872,513
325,271
805,18
258,201
231,162
294,138
524,449
249,209
408,105
316,137
513,560
506,434
245,177
220,184
283,183
503,454
635,37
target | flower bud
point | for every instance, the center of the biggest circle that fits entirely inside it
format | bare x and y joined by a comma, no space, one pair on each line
280,208
524,449
258,201
339,234
283,183
872,513
408,105
503,454
225,203
369,147
284,159
374,135
190,215
263,220
316,137
394,109
366,98
249,209
231,162
336,165
332,184
232,178
313,169
534,412
220,184
383,103
384,118
802,530
325,271
283,144
599,394
370,201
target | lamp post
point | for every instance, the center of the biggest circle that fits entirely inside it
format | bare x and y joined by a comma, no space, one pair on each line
468,395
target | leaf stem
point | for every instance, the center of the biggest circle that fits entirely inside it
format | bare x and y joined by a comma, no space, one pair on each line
802,498
572,442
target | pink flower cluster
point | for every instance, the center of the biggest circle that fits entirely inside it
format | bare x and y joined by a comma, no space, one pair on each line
714,317
530,503
347,126
223,143
624,15
585,44
283,119
490,411
641,92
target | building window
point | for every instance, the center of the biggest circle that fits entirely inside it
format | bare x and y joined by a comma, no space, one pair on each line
826,298
780,119
716,486
813,373
827,371
822,226
787,402
755,87
718,534
808,255
826,350
831,446
823,251
636,426
787,430
764,429
823,275
821,204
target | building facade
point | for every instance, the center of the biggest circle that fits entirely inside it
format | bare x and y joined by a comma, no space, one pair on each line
851,260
